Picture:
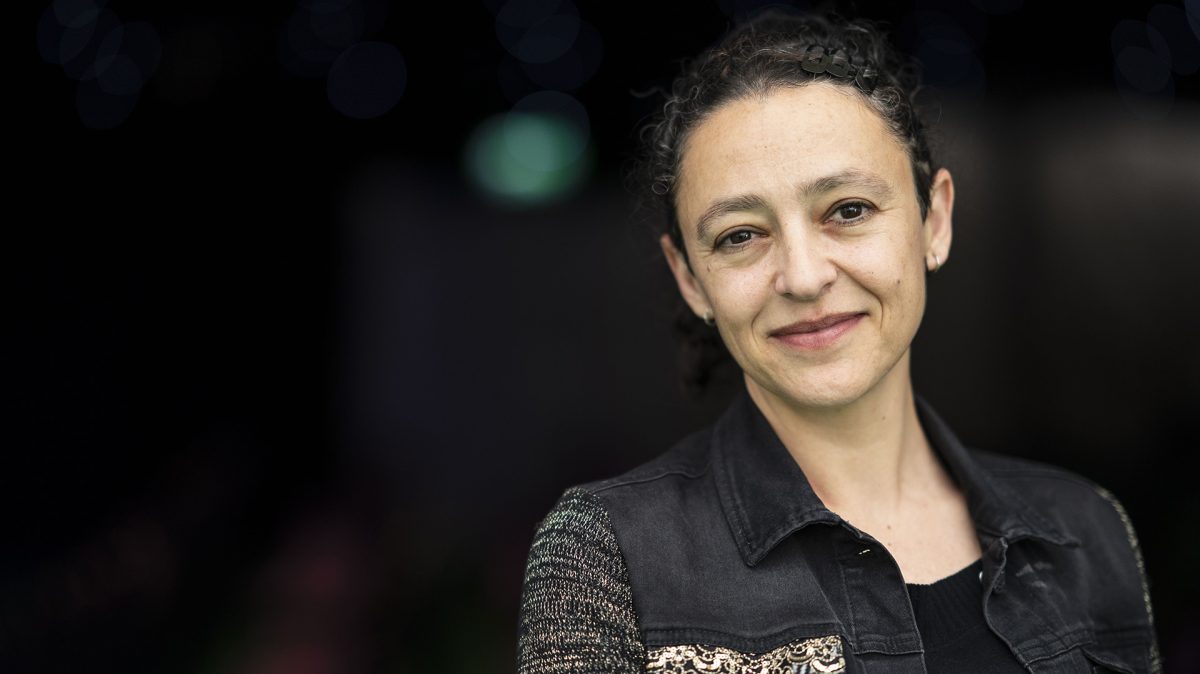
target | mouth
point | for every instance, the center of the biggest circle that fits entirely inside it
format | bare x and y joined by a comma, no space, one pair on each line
817,334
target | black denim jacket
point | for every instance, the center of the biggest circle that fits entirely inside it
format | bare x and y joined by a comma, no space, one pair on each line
718,556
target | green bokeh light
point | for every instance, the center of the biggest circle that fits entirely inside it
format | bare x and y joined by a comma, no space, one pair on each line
523,158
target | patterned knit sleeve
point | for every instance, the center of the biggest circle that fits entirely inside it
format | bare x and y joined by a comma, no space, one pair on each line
577,611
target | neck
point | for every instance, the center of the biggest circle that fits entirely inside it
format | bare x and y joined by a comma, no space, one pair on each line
862,458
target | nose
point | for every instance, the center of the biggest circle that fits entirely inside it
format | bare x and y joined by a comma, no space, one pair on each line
804,269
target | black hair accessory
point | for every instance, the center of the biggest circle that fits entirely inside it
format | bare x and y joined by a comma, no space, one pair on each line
817,59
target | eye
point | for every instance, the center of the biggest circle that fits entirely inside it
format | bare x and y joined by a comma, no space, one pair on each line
736,239
852,212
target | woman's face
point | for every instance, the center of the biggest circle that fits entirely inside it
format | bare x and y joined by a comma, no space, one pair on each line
797,207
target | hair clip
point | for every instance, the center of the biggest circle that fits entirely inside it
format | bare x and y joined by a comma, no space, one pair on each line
817,60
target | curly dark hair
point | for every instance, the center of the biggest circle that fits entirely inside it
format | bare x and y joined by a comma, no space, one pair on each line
752,59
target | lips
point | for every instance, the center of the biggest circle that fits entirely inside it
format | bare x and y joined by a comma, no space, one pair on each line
801,327
817,335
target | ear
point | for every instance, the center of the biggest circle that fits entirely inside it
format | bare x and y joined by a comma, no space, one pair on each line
689,287
939,220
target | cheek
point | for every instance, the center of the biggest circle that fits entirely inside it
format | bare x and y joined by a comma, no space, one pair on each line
892,270
884,267
908,282
739,292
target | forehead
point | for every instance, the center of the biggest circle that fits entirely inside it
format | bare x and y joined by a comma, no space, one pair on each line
768,144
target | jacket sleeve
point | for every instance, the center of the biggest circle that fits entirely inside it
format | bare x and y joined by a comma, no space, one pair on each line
1154,656
577,610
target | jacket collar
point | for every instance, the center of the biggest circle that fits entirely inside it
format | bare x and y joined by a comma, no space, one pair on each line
766,496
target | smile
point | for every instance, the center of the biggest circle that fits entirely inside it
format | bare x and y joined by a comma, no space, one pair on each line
822,338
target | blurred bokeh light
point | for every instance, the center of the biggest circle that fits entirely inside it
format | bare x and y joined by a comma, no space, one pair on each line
111,60
526,158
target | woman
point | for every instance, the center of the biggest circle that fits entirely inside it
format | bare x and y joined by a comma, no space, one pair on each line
829,521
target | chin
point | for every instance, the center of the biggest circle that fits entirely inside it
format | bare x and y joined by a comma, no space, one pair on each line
830,397
826,392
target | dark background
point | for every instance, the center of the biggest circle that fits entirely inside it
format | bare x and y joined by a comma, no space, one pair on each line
288,391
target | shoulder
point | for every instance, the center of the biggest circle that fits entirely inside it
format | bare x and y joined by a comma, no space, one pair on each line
686,460
575,539
1073,503
576,607
1042,479
584,514
668,487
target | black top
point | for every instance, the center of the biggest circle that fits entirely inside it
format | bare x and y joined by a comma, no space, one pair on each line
953,629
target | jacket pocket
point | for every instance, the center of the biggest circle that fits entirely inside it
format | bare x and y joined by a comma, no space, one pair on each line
822,655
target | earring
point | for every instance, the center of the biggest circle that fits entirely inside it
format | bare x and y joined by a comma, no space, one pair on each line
708,318
937,264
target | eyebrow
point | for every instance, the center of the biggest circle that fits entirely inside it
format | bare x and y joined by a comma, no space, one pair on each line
808,190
